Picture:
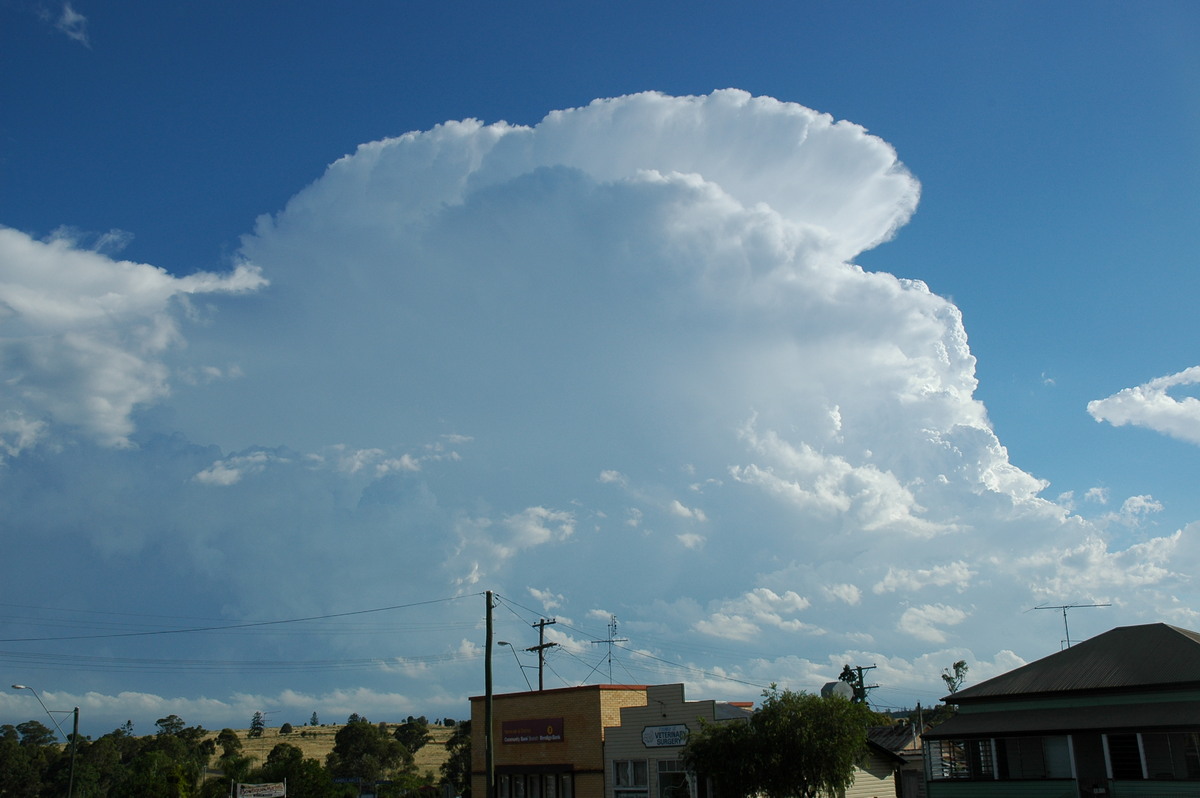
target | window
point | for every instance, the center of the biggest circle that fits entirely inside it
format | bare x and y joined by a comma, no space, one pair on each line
1125,756
629,778
1033,757
960,759
672,779
1174,756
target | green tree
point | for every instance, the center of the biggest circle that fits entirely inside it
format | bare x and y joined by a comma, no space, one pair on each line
229,742
257,724
314,721
361,750
305,778
285,728
414,734
456,770
171,724
955,679
796,745
35,734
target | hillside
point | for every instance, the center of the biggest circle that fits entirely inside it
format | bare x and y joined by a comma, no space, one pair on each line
317,741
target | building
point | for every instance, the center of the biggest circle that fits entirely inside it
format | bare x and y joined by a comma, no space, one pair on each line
1116,716
550,743
641,751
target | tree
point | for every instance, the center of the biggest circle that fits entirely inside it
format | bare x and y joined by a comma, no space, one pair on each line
257,724
285,728
955,680
456,770
35,734
363,751
229,742
313,721
170,725
305,777
414,734
796,745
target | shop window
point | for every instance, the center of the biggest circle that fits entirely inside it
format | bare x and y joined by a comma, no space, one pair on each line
630,779
672,779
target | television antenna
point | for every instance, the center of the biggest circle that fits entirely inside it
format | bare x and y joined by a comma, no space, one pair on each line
612,638
1064,607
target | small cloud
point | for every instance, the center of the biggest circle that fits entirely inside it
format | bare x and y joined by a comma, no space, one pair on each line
956,574
690,540
923,622
1151,406
73,24
548,599
677,508
850,594
1097,495
613,478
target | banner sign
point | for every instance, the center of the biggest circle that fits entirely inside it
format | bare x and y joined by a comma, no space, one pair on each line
276,789
541,730
663,736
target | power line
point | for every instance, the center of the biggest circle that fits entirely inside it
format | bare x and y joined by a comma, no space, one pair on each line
225,627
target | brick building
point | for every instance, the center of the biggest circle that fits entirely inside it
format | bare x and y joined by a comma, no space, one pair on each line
549,744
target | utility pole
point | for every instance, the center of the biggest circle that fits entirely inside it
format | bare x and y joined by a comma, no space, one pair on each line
489,750
612,638
854,678
541,647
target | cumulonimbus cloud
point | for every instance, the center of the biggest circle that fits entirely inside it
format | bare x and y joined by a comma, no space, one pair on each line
684,402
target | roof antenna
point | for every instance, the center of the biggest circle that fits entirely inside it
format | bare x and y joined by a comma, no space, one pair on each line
1065,644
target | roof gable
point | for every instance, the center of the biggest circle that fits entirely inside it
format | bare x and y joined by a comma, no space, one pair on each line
1128,657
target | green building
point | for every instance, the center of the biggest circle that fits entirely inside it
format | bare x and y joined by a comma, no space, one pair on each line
1117,716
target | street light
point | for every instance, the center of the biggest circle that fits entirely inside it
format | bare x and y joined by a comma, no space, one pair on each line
518,659
73,739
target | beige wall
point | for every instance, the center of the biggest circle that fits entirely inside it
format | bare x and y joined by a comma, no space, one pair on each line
875,778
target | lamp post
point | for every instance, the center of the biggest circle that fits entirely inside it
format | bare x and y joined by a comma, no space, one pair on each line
74,738
518,659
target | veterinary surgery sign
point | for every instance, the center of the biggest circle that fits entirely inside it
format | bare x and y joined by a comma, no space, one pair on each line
664,736
270,790
541,730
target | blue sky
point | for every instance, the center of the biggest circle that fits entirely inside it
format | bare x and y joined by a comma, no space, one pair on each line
857,362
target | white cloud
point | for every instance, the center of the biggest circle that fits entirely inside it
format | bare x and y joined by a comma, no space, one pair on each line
1152,406
847,593
73,24
957,574
678,509
470,328
85,337
923,622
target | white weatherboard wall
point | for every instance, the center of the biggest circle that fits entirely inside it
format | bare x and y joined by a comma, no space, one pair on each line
654,732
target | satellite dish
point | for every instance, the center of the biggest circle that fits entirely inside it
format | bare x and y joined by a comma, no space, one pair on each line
840,689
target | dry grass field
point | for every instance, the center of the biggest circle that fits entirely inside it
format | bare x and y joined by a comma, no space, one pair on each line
317,741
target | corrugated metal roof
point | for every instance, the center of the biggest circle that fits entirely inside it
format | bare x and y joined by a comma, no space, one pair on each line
1157,716
1149,656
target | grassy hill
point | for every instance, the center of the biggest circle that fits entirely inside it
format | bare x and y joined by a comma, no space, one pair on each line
317,741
